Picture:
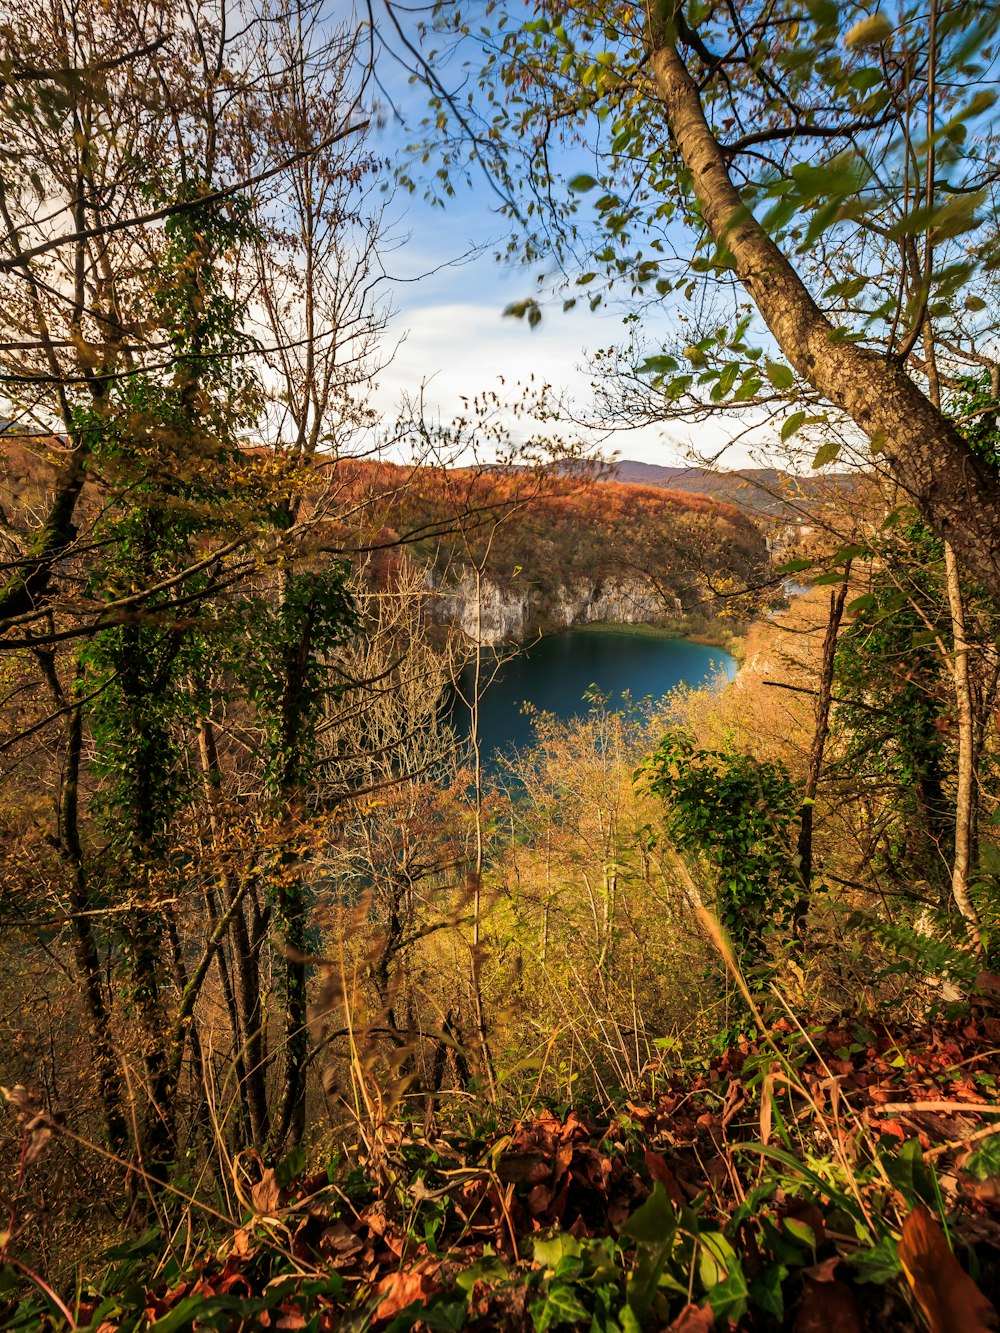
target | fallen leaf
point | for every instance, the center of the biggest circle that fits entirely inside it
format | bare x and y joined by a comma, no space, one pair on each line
823,1272
656,1164
827,1307
36,1122
266,1195
399,1290
891,1127
539,1199
292,1318
339,1239
949,1298
988,983
694,1319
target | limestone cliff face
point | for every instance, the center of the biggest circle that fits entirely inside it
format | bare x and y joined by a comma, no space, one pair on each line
512,614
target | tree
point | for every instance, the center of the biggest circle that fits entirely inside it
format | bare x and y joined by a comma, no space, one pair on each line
123,123
183,579
836,164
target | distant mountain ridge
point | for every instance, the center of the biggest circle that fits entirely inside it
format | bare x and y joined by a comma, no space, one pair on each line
758,491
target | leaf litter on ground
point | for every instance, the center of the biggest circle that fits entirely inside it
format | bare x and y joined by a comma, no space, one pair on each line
844,1178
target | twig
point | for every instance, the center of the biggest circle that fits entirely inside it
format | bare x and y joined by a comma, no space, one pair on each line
963,1108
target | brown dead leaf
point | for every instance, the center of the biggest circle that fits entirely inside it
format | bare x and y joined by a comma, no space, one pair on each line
950,1300
988,983
827,1307
694,1319
539,1199
891,1127
658,1169
339,1240
266,1194
399,1290
986,1191
241,1242
825,1270
527,1168
290,1318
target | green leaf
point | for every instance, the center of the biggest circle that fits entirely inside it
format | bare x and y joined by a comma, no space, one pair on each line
850,552
984,1162
727,379
582,183
826,453
561,1305
549,1252
628,1321
766,1290
723,1278
748,389
657,365
880,1264
652,1227
781,377
801,1231
442,1316
490,1268
189,1309
791,424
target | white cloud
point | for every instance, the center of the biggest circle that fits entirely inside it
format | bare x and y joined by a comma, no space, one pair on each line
458,349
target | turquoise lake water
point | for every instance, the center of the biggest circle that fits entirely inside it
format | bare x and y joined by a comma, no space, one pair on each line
554,674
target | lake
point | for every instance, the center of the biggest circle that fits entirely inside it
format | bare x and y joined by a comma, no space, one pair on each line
554,674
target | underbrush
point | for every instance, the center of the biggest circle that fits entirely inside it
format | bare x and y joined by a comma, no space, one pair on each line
842,1176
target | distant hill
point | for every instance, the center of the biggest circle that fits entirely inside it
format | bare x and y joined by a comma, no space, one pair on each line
758,491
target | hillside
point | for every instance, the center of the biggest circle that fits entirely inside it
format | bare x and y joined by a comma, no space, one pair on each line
760,491
554,551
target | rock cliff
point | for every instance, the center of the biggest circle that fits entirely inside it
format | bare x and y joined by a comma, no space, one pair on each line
513,613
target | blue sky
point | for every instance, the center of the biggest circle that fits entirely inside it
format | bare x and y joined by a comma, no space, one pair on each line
451,332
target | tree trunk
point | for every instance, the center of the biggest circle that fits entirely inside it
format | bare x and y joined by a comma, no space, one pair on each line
88,961
965,799
955,492
824,698
241,983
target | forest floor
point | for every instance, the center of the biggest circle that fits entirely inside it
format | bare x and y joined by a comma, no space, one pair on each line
826,1179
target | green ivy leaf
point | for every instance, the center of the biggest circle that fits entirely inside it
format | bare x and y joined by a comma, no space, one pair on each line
651,1227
